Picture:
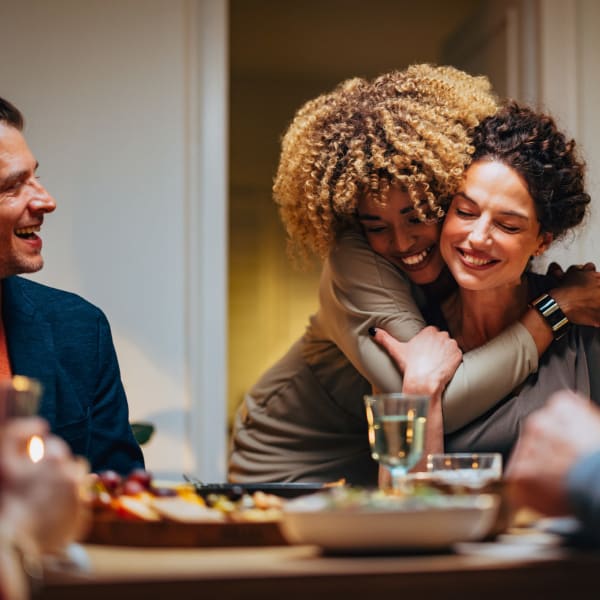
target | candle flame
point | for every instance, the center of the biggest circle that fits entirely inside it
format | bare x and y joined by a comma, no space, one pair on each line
35,448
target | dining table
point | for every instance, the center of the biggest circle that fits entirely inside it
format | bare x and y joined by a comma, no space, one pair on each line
529,563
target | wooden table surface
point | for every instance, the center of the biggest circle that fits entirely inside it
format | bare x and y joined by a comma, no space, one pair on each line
515,566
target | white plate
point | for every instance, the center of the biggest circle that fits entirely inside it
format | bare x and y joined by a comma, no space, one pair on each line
419,524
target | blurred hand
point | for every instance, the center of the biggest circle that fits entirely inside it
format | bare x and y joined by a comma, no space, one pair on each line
41,500
428,361
578,292
552,440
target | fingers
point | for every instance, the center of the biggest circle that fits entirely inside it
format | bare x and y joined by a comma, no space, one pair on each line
15,436
56,449
381,336
588,266
391,345
562,412
567,398
385,340
555,270
21,429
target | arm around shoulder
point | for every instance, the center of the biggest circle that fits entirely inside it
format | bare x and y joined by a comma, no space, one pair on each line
360,290
487,374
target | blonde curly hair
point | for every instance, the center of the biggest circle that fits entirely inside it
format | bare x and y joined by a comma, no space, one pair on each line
405,128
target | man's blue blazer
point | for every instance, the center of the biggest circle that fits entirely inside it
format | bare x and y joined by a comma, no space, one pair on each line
66,343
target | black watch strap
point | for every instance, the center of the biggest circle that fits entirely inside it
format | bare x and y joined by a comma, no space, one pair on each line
547,307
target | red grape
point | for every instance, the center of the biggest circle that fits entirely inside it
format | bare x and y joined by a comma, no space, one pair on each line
143,477
111,480
132,487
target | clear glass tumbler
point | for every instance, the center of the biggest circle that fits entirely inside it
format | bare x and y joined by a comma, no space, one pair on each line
397,431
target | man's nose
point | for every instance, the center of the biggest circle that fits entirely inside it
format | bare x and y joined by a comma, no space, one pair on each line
41,199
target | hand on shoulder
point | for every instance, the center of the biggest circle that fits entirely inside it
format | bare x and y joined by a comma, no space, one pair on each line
428,360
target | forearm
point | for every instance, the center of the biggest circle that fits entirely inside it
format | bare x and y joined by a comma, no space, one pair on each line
487,374
569,302
538,329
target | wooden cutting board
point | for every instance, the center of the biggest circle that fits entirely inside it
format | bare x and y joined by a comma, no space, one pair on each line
122,532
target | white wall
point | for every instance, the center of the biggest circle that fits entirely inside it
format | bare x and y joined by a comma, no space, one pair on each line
545,52
570,90
588,125
121,100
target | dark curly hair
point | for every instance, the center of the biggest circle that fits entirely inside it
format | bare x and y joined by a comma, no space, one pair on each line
530,143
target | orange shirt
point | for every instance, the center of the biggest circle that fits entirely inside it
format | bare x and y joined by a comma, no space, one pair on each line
5,370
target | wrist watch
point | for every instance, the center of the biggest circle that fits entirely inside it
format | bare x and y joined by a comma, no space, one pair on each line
557,321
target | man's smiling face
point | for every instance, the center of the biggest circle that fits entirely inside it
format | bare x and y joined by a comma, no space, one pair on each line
23,203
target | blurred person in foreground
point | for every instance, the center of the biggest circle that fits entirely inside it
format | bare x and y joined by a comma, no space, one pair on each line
42,508
555,468
56,337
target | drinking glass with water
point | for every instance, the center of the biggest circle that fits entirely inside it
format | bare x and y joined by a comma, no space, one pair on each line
397,431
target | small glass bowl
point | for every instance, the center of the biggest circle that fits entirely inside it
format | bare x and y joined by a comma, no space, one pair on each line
470,470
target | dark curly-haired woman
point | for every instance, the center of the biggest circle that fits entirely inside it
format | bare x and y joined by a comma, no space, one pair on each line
523,190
